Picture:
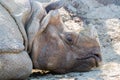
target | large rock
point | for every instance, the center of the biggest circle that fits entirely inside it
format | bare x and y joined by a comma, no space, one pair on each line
94,9
100,13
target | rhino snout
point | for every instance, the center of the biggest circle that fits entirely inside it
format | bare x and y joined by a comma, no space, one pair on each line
96,57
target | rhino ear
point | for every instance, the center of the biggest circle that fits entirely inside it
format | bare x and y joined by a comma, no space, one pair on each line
43,24
52,17
55,5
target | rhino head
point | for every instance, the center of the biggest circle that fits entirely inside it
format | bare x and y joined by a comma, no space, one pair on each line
56,48
52,46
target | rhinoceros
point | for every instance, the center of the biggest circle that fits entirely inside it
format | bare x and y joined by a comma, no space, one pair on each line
34,36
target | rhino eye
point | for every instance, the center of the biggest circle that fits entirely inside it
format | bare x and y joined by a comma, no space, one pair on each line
69,38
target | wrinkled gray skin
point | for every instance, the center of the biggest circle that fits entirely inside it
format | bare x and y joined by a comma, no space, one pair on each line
28,27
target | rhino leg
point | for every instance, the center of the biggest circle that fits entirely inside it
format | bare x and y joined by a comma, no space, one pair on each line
55,5
15,66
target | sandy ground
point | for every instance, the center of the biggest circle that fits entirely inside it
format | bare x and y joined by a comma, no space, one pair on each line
106,19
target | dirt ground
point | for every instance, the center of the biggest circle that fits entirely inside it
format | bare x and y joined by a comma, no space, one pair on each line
104,15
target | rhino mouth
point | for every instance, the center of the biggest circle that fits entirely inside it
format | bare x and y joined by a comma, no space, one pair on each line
97,58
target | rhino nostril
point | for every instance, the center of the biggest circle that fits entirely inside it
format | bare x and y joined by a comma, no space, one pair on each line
98,56
98,59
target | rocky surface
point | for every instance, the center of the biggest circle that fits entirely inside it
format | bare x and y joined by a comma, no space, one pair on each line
104,15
